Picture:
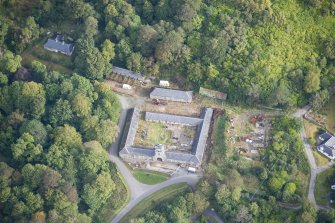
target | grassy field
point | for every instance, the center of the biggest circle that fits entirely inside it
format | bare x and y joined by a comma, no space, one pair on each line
151,134
150,202
322,186
310,129
330,114
53,60
149,177
320,159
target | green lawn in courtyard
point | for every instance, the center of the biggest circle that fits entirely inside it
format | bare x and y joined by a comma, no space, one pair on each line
150,134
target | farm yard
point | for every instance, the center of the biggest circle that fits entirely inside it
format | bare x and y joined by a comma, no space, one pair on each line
150,134
249,132
172,136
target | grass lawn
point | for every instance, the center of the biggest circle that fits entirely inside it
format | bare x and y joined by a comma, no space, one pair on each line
330,113
150,134
322,186
320,159
149,177
53,60
150,202
310,129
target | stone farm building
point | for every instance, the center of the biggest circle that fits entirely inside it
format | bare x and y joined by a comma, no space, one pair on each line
58,45
133,154
127,73
326,145
171,95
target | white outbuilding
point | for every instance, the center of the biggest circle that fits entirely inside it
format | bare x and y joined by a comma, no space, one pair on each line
164,83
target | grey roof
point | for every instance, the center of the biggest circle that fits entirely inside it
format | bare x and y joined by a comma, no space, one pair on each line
202,133
199,145
326,150
133,127
173,95
330,142
325,136
127,73
54,44
138,151
184,120
184,157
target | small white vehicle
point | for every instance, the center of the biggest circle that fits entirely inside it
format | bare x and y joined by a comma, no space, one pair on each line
191,170
164,83
126,86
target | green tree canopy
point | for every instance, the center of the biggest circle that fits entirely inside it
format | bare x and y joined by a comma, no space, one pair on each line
26,150
9,62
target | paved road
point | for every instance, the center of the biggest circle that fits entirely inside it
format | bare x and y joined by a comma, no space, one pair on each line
136,188
139,191
314,169
190,179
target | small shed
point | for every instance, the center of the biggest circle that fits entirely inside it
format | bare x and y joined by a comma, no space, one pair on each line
164,83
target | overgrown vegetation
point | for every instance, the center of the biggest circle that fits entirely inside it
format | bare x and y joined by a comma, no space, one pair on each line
54,133
172,204
242,189
329,110
150,134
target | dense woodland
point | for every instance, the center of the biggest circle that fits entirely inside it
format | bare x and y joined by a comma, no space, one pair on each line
56,127
54,132
279,53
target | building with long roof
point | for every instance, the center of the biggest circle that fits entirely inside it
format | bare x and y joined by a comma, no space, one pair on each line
133,154
171,95
127,73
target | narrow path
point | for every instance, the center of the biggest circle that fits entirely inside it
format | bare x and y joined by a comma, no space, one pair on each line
139,191
315,170
213,214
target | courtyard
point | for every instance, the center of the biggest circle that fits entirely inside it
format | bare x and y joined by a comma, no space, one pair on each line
174,137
